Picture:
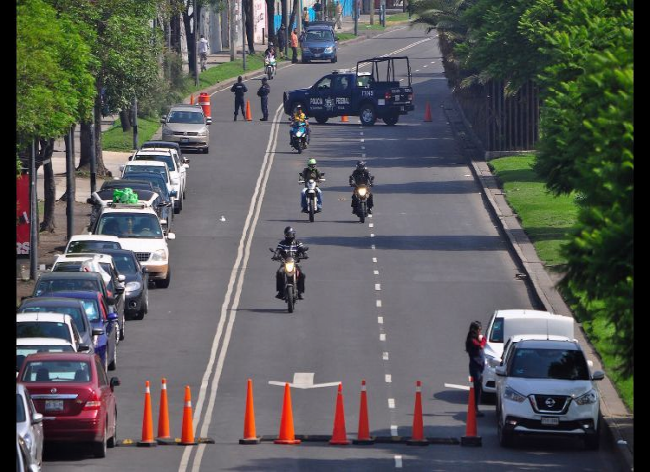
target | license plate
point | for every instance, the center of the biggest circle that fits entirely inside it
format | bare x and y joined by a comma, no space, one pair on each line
401,108
54,405
550,421
316,55
185,140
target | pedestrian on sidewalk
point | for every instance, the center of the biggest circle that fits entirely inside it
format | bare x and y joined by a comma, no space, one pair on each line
305,18
239,89
263,93
339,14
282,39
318,8
203,52
474,344
294,46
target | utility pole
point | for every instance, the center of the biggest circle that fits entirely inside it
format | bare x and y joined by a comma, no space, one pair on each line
231,23
355,13
33,227
69,183
93,155
372,12
196,30
134,123
286,28
243,36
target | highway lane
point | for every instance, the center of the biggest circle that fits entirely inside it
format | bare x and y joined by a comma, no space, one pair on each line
388,301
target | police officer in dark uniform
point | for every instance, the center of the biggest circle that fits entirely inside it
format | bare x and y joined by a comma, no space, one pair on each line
361,175
290,246
263,93
239,89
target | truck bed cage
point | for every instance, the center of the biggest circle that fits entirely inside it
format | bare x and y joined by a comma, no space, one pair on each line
390,67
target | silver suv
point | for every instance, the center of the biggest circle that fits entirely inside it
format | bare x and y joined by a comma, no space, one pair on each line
187,126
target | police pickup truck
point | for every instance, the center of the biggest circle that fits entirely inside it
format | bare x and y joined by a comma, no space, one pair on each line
369,95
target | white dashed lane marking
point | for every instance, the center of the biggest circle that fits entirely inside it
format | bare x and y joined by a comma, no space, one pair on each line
382,337
384,356
380,319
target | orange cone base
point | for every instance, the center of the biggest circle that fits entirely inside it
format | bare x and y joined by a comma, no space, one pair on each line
287,441
364,442
147,443
474,441
417,442
250,441
166,441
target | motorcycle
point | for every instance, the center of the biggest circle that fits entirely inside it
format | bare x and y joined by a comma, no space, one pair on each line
299,136
361,192
312,195
269,67
291,273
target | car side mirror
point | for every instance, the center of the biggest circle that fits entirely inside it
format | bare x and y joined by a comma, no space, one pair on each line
173,193
112,316
186,160
336,38
114,382
163,118
208,121
90,200
37,418
598,375
186,165
171,236
500,371
98,331
121,167
144,270
83,347
119,288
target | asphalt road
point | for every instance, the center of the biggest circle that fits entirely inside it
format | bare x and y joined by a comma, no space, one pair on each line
388,301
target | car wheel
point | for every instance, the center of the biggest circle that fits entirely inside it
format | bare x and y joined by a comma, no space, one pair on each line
321,120
367,115
177,207
113,364
180,204
122,328
105,363
99,448
506,438
334,59
592,441
391,120
205,151
304,61
112,442
164,283
144,306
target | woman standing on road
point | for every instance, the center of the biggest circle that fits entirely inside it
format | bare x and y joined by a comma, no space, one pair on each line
474,344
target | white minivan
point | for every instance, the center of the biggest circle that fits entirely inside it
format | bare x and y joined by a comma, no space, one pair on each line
507,323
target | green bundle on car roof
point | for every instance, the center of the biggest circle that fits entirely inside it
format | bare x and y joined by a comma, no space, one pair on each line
125,195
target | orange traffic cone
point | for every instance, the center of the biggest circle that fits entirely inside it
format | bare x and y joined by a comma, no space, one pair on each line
192,99
187,436
286,435
147,421
249,116
344,118
249,418
163,417
363,435
339,436
418,438
427,113
471,438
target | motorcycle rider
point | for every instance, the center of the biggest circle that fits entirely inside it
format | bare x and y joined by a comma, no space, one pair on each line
359,176
298,117
311,172
269,55
290,246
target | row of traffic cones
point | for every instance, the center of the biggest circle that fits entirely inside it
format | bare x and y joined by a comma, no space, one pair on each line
339,435
164,437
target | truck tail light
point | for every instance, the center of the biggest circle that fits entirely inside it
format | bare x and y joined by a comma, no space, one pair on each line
387,95
410,97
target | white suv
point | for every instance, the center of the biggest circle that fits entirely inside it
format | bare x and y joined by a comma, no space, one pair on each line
545,387
138,228
177,170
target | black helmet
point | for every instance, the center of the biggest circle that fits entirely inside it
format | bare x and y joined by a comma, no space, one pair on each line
361,165
289,232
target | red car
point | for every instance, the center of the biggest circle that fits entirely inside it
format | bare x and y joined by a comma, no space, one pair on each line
75,397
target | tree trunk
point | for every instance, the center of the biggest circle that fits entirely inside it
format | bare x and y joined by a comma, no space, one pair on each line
84,145
100,169
125,119
250,34
190,36
49,185
270,23
69,147
294,13
175,31
284,15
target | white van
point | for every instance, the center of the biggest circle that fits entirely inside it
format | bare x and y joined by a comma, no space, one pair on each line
507,323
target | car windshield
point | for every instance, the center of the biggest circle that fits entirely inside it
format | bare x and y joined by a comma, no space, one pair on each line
56,371
68,266
557,364
88,246
26,350
166,158
43,329
21,417
162,170
57,285
74,313
91,306
189,117
319,35
156,180
130,225
125,264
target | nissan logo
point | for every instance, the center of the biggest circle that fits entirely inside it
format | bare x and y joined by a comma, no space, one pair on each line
53,390
549,402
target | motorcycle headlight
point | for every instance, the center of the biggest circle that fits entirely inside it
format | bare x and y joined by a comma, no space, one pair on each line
289,267
588,398
362,191
132,287
513,395
159,255
299,134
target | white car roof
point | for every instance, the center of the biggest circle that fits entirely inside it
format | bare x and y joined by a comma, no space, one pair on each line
550,337
146,163
42,342
82,256
518,313
127,208
45,316
94,237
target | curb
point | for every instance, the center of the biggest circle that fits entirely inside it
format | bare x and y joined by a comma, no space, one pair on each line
508,224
